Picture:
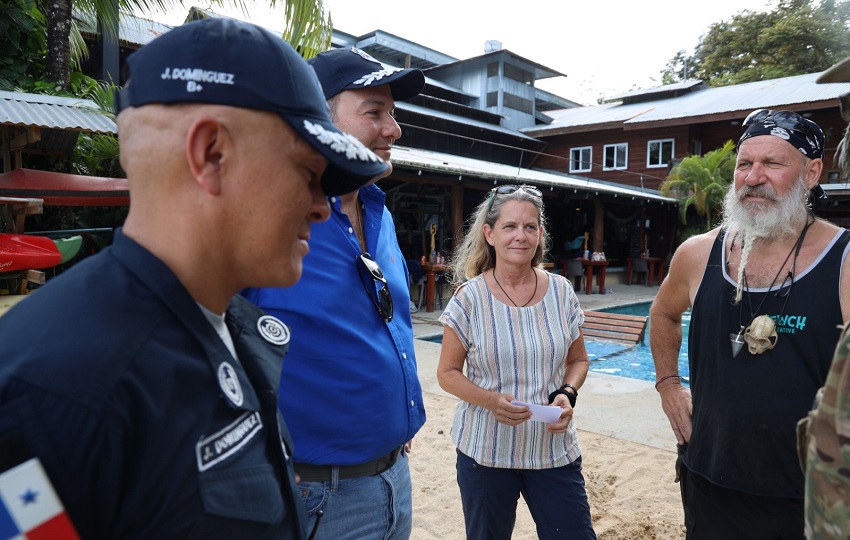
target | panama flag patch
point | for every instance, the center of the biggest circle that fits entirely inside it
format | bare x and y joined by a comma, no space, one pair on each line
30,508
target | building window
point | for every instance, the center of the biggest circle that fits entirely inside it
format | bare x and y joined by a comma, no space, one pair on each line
659,153
492,99
518,74
517,103
493,69
616,156
581,159
696,147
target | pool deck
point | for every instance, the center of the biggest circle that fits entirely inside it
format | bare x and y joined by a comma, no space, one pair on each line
618,407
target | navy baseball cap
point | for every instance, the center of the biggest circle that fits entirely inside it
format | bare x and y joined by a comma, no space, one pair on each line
228,62
349,68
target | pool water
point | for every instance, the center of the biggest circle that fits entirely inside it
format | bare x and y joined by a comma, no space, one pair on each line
634,362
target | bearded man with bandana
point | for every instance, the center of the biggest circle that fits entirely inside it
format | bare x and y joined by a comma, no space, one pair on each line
768,290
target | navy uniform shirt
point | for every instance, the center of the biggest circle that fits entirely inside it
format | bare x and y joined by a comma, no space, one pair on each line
146,425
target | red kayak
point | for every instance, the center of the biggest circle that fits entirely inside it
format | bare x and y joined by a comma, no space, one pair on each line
24,252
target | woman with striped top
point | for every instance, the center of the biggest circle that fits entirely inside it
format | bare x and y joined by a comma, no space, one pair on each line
515,329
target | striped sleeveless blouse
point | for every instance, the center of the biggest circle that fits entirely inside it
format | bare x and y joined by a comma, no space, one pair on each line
519,351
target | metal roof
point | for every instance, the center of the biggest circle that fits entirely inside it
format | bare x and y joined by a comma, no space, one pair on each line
540,71
800,92
132,30
36,110
416,158
425,111
663,89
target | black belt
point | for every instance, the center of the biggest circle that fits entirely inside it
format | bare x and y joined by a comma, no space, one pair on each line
324,473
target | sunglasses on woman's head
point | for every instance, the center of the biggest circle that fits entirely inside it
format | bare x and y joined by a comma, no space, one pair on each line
510,188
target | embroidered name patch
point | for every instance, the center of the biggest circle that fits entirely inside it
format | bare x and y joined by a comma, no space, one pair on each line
273,330
225,443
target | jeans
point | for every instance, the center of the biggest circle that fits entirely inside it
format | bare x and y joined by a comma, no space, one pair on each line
367,508
556,499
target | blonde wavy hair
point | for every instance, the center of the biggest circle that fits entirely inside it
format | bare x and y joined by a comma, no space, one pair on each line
474,255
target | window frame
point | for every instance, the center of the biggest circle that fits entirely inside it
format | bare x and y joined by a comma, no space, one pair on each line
581,160
615,147
661,142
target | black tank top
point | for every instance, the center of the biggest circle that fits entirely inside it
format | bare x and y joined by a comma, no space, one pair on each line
745,409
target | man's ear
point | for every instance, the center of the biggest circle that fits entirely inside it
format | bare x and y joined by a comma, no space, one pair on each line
813,171
206,142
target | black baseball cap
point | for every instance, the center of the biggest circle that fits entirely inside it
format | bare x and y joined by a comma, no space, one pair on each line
223,61
350,68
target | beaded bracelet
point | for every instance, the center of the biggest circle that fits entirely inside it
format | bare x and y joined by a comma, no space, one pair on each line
662,379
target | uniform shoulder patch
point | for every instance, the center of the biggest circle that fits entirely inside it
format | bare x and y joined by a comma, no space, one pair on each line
273,330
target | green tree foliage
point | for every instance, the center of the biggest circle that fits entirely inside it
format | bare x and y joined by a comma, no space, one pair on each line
701,182
797,37
23,46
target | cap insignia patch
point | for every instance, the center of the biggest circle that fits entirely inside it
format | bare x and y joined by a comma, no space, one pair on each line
341,143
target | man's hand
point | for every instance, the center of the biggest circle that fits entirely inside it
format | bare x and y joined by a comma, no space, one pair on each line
677,405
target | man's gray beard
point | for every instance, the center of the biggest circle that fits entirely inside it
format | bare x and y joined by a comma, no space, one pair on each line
780,218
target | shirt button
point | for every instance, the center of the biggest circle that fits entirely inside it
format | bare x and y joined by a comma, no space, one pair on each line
404,355
333,199
412,403
350,230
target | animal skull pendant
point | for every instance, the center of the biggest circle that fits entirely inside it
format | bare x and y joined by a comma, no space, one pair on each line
761,335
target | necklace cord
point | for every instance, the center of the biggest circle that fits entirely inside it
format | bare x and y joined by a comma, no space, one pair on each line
506,293
795,250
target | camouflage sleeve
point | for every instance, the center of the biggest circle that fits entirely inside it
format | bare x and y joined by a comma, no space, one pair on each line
827,456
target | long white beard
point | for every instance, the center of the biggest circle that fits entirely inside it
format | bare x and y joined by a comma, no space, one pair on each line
780,218
783,217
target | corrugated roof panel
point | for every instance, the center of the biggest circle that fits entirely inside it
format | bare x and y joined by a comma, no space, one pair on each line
416,158
132,30
20,109
743,98
770,94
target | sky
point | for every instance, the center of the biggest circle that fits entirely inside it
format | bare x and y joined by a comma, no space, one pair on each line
603,47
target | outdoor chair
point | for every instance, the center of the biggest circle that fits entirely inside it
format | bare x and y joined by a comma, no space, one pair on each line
639,266
575,270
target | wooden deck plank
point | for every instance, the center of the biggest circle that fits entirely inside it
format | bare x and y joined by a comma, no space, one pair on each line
622,328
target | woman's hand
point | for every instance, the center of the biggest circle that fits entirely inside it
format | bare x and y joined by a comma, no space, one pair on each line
566,415
506,412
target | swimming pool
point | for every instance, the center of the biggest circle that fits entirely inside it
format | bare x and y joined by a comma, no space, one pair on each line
634,362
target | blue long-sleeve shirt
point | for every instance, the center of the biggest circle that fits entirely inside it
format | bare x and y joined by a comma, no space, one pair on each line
349,389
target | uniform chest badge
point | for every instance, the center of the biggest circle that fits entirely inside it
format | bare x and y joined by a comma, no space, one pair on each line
228,380
273,330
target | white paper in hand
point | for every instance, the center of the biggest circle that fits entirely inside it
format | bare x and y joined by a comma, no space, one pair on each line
541,413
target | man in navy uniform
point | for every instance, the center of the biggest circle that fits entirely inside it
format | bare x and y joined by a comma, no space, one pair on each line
145,388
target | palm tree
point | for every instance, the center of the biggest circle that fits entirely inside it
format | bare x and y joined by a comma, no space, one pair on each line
702,182
306,26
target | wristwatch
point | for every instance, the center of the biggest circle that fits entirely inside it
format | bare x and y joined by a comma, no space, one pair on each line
562,390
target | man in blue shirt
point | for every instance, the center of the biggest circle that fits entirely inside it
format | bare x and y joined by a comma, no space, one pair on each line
349,388
141,382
